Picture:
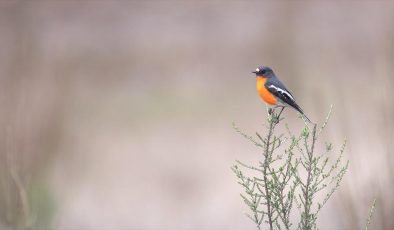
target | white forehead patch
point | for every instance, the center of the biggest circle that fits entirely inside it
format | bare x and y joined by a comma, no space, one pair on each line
257,70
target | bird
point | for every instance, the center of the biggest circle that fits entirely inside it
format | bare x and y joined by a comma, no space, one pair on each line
273,92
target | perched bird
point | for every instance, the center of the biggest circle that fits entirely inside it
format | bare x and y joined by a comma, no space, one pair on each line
272,90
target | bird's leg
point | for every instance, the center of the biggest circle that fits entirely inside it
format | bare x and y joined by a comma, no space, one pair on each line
272,109
280,111
271,112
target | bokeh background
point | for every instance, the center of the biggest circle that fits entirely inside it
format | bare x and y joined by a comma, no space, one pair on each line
117,114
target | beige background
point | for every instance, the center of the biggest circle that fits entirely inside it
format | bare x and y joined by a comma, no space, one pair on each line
117,114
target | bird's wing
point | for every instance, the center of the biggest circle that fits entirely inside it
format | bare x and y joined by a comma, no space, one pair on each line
277,88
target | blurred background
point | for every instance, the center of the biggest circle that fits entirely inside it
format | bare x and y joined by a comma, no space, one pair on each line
117,114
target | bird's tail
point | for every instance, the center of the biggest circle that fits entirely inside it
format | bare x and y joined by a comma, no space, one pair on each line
302,113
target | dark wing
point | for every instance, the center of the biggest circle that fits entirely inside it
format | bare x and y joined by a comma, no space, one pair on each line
277,88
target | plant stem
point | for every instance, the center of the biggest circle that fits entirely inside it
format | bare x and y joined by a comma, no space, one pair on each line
266,162
371,211
307,196
284,219
273,120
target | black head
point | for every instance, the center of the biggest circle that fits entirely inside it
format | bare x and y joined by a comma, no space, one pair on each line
264,71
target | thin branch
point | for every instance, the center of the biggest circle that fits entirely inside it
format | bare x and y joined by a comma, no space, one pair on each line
326,120
307,196
371,212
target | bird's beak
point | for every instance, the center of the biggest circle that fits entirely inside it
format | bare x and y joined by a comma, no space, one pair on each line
254,72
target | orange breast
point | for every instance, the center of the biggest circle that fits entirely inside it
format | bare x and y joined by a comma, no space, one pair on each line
263,92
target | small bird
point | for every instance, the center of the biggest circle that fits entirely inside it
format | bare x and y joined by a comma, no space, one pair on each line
272,90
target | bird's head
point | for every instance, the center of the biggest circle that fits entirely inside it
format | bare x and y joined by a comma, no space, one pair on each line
264,71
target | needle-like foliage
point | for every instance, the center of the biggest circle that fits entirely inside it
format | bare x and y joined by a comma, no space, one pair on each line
290,174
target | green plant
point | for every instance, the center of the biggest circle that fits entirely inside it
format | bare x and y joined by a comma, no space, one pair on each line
290,174
371,211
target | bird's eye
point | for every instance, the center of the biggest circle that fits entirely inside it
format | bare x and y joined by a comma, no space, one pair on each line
263,71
